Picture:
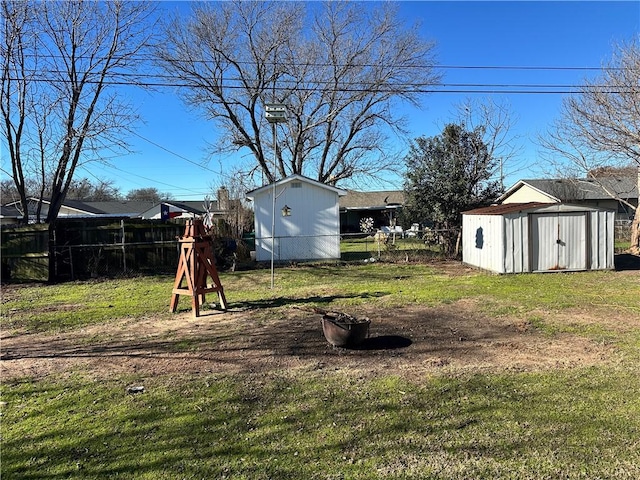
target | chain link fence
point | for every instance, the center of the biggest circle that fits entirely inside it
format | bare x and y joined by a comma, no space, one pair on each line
100,248
409,245
622,235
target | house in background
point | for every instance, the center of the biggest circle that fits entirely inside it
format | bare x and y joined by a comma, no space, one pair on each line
538,237
9,215
382,206
586,192
123,209
302,224
176,209
79,209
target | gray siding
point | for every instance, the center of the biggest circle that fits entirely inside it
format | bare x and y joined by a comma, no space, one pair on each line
516,249
557,237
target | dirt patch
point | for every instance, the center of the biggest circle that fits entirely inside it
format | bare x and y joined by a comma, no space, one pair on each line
412,341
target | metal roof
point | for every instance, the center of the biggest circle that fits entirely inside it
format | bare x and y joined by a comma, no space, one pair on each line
293,178
535,207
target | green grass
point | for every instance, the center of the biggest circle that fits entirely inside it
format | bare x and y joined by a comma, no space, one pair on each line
37,307
622,245
41,307
575,423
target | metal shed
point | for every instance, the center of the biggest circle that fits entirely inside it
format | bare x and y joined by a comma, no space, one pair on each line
538,237
302,223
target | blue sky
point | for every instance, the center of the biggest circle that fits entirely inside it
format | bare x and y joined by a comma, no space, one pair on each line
467,34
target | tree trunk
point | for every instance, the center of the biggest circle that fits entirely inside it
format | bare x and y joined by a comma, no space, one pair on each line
635,234
635,226
52,277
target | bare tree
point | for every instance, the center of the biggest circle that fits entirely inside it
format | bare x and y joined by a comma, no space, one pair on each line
493,122
60,62
17,41
599,128
341,75
99,191
237,211
148,194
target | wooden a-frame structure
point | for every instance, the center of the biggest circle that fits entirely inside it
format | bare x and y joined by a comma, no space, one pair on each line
196,264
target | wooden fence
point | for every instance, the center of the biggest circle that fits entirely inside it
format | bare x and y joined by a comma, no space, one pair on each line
86,248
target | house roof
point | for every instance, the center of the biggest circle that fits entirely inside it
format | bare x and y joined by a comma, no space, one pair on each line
291,178
132,208
194,207
537,207
9,211
372,200
82,208
572,189
120,208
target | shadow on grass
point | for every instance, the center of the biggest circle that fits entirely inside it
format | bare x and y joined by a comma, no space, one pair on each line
315,300
627,261
384,342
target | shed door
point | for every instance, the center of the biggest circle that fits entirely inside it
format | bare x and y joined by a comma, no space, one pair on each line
559,241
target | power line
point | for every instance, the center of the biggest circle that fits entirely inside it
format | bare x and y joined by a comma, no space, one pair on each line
524,67
154,181
151,80
150,58
173,153
484,88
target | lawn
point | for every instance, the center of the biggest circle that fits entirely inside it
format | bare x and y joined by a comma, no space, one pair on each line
222,401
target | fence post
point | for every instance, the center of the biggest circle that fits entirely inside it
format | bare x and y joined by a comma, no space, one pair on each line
71,263
124,253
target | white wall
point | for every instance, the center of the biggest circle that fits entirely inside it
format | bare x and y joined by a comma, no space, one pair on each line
311,232
482,244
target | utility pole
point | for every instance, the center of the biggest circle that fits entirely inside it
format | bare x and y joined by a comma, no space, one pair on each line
275,113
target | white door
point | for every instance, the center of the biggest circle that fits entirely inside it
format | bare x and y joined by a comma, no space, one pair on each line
559,241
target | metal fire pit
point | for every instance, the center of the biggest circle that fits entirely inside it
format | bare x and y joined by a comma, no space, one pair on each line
342,330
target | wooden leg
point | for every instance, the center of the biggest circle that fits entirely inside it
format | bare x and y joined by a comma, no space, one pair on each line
174,302
223,300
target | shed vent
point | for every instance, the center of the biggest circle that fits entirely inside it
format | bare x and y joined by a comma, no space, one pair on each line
296,184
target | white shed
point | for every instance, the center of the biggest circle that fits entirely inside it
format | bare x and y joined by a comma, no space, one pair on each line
306,221
538,237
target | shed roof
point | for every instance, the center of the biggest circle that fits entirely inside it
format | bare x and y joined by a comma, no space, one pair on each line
535,207
291,178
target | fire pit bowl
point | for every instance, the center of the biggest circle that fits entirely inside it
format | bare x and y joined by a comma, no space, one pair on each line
342,330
